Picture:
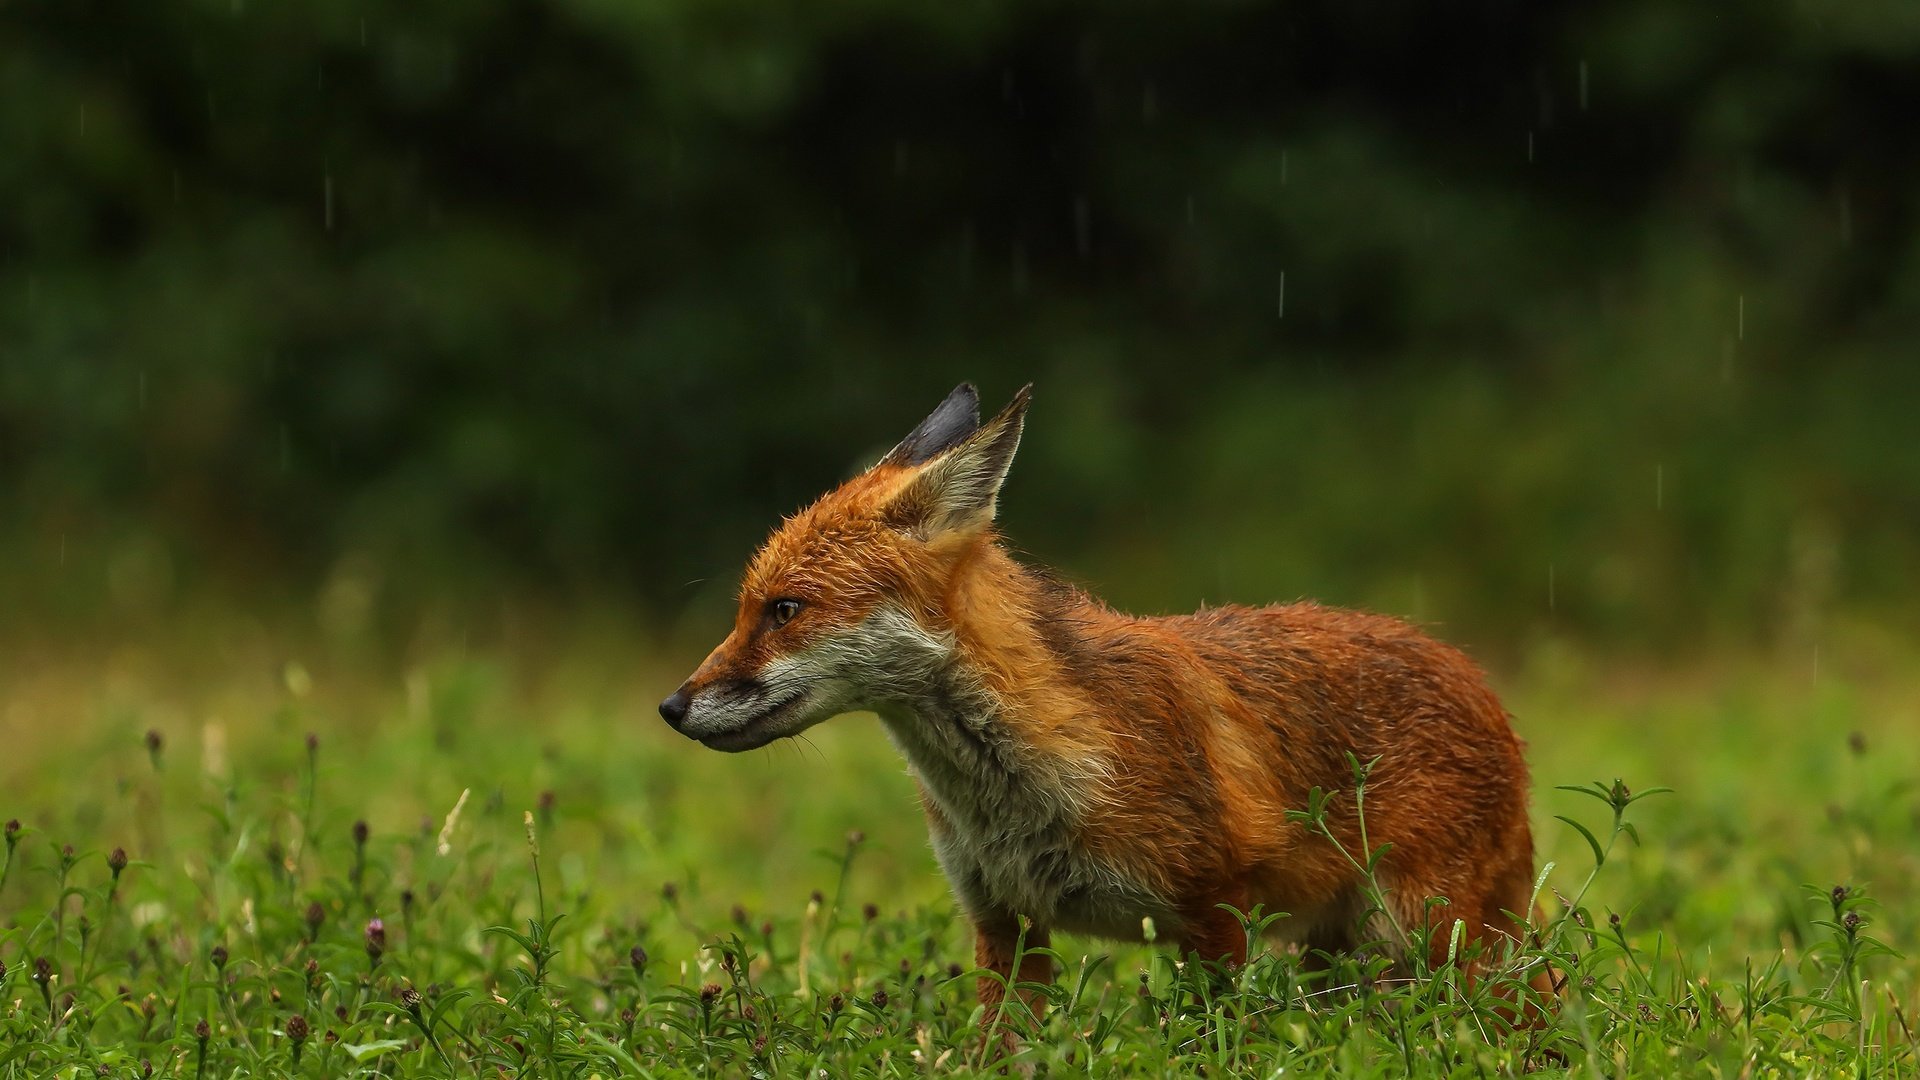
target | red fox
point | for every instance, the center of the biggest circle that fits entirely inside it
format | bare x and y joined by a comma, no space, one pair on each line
1090,770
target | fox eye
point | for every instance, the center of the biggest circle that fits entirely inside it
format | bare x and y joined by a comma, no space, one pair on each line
783,611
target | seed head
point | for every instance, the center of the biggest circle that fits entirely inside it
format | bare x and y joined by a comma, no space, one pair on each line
870,911
117,860
297,1028
410,998
836,1003
880,999
709,993
42,970
218,954
201,1031
316,915
360,832
637,956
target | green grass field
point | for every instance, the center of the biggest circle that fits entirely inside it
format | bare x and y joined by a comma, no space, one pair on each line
502,864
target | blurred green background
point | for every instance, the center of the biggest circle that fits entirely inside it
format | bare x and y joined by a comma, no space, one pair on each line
1553,324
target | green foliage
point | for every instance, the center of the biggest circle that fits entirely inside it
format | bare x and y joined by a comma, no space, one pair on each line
336,907
1592,319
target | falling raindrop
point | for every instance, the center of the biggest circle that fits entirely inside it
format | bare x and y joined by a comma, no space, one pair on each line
1846,217
1529,147
1659,487
1550,589
1583,86
326,196
1283,167
1280,302
1740,317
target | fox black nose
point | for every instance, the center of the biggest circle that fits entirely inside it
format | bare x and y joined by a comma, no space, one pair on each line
674,709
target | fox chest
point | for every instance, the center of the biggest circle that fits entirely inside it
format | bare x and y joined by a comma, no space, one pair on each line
1043,874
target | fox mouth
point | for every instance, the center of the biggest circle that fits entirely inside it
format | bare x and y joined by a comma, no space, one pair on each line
772,724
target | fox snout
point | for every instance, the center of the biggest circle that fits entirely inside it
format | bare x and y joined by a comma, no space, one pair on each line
734,714
674,709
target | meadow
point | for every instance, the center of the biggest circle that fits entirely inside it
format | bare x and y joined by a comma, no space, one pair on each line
238,856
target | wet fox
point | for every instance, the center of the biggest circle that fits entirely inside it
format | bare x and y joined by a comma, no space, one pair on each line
1091,770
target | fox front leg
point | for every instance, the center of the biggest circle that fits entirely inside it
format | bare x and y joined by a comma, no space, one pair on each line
995,941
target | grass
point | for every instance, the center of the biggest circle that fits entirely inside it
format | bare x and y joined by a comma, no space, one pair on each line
484,867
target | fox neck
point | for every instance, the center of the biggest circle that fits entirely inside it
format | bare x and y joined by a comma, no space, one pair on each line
967,726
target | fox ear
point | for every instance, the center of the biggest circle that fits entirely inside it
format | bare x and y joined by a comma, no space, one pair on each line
956,488
945,428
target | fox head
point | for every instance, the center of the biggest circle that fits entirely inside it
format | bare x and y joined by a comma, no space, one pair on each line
842,608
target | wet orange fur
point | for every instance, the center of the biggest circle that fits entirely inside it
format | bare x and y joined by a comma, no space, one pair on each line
1199,732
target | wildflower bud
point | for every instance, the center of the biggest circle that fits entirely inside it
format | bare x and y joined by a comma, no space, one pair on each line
13,832
316,915
297,1028
836,1003
410,998
1613,919
406,901
954,971
146,1068
818,897
313,747
709,993
201,1031
376,939
627,1017
1857,742
1852,921
766,928
533,839
740,915
880,999
117,861
669,892
856,838
637,956
218,954
1839,895
66,854
155,743
760,1046
331,1037
870,911
546,804
3,971
360,833
906,967
42,970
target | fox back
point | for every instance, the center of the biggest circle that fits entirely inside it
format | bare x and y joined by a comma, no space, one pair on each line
1100,773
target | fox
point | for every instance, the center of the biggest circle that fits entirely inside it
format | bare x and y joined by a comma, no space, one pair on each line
1090,772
